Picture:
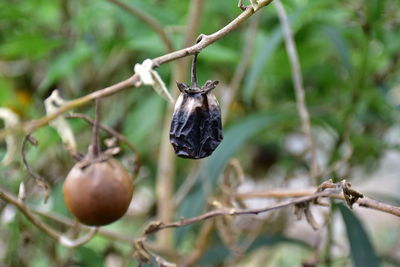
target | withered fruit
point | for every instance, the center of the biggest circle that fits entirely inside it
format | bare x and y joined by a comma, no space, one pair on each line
98,194
97,190
196,127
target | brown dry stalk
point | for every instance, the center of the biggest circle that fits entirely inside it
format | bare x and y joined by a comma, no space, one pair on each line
298,86
157,226
285,193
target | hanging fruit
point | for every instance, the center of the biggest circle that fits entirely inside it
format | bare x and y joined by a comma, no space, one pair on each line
196,128
97,190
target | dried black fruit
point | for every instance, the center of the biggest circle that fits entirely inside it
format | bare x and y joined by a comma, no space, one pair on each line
196,128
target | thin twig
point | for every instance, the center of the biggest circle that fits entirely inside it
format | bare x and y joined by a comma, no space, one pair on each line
149,20
298,86
38,179
284,193
212,38
134,80
234,212
106,233
60,238
30,126
117,135
94,148
331,193
193,79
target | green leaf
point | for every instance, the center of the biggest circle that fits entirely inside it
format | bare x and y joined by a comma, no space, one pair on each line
65,65
217,53
218,252
142,120
362,252
262,57
339,43
28,46
89,258
270,44
234,138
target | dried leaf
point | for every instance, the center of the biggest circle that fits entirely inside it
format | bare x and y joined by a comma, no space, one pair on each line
148,76
310,218
152,227
141,253
52,104
350,194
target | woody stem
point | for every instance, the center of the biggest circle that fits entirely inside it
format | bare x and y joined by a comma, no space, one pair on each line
194,71
94,148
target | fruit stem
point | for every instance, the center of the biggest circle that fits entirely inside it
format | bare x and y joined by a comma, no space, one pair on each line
94,148
194,72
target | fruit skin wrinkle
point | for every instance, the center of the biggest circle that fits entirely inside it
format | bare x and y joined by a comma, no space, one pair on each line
196,126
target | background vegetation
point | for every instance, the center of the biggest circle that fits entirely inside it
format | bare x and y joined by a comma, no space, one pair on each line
349,53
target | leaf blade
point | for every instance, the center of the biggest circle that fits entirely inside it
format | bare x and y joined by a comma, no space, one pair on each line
362,251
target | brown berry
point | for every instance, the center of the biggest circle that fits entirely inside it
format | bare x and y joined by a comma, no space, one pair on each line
98,194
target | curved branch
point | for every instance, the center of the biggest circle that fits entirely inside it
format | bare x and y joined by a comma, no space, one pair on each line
362,202
338,191
60,238
212,38
134,80
38,179
157,226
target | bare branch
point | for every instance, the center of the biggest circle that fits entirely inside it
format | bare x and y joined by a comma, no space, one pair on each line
234,212
94,147
328,191
212,38
101,231
38,179
60,238
284,193
133,81
298,86
30,126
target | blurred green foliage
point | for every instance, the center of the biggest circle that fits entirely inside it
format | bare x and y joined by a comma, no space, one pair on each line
349,53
